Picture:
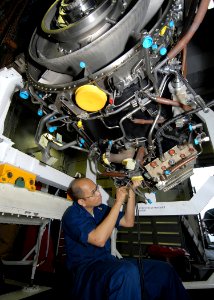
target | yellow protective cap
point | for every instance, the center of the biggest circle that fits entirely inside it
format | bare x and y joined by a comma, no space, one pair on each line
105,159
79,124
90,98
139,177
163,30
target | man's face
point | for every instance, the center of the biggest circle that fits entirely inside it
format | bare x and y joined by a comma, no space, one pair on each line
91,195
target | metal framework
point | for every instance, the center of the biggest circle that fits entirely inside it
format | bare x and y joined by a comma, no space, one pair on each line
25,261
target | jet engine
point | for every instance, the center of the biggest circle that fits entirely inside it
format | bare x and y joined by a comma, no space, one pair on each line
113,72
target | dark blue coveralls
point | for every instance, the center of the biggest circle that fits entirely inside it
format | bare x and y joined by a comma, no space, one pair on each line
101,276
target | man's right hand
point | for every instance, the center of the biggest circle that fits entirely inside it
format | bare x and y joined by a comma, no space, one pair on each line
122,194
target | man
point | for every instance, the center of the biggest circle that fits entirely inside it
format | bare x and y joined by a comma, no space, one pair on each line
87,227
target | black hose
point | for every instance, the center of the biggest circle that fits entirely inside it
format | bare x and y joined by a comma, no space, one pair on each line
160,130
171,137
35,96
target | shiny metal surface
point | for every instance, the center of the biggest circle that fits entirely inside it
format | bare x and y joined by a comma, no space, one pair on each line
133,55
97,46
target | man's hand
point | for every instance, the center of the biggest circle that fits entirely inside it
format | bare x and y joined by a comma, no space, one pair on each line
122,194
128,193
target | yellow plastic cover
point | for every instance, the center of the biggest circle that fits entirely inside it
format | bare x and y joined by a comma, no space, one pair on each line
90,98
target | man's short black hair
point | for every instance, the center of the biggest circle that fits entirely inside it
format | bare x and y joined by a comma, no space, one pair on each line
74,189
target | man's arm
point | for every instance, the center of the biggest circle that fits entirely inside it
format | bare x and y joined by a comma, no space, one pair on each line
128,219
103,231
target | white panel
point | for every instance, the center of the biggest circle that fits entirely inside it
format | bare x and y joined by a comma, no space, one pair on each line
208,118
20,201
10,80
190,207
197,285
44,173
91,170
25,292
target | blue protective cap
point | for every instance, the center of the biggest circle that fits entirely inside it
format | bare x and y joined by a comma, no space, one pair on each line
82,65
163,51
52,118
110,142
167,172
52,128
80,145
24,94
40,95
149,201
40,112
196,142
154,47
171,24
147,42
190,127
82,141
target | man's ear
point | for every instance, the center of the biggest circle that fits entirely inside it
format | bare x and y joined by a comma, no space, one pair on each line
81,202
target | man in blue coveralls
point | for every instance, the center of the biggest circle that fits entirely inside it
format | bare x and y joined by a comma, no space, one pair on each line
87,227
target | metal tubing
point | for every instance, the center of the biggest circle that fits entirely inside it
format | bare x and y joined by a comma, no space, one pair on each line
41,126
